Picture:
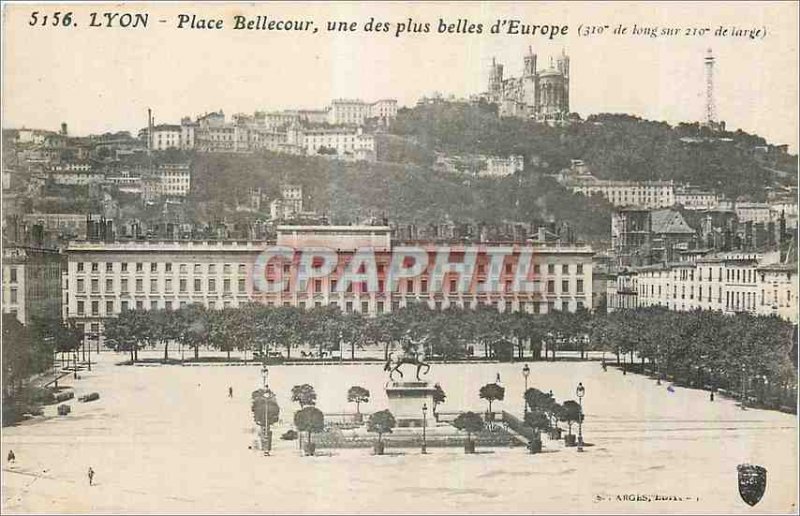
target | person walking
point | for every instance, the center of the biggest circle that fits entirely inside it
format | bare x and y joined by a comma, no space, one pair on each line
11,457
230,392
91,476
711,397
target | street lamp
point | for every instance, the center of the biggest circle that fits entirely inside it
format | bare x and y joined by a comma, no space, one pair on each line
526,371
743,388
580,392
424,424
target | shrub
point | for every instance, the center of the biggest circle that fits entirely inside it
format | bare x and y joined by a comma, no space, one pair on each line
289,435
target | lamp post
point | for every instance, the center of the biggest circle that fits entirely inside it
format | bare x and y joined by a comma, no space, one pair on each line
580,392
743,388
526,371
424,424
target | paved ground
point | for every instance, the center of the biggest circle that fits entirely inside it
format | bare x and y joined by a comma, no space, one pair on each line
168,439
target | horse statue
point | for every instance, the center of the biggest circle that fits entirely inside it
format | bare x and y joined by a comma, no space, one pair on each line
416,359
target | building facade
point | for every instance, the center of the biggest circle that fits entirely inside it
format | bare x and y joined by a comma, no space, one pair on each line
730,283
106,278
32,283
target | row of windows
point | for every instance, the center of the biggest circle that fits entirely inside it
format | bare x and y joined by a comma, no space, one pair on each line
241,268
156,267
347,306
168,285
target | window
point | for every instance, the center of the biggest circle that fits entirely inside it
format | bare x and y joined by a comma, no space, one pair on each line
565,269
153,285
81,285
109,285
424,287
168,267
153,267
551,269
139,285
139,267
226,285
183,269
452,286
197,268
348,307
565,286
317,286
241,268
241,285
124,267
123,305
13,296
579,268
109,267
95,307
212,285
197,286
95,267
80,266
80,307
139,304
167,305
579,287
364,307
212,268
537,269
123,285
551,287
226,269
109,307
409,286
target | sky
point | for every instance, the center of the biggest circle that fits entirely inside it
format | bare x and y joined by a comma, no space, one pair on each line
101,79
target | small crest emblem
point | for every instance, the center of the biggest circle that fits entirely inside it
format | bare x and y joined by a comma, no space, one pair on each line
752,482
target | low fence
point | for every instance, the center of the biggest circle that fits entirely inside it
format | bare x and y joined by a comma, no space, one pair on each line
519,426
497,437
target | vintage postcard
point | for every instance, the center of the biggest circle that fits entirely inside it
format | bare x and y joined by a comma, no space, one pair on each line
399,257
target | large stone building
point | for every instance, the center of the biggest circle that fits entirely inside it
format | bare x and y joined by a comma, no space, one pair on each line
32,283
729,282
106,278
539,94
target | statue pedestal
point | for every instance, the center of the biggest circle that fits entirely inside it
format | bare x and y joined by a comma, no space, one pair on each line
406,400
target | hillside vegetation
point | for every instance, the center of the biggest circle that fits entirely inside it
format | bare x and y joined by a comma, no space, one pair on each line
614,146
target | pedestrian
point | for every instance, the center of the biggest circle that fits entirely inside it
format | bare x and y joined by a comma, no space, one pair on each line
230,392
712,396
497,380
11,457
91,476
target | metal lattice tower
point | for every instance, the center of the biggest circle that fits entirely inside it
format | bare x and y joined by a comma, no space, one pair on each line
711,115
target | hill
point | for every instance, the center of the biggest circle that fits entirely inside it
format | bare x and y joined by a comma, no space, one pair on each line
614,146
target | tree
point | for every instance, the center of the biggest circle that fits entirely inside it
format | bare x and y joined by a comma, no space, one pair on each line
570,414
381,422
357,395
260,401
471,423
310,420
492,392
438,396
304,395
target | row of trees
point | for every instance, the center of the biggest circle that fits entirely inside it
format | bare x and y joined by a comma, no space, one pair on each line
703,347
452,333
706,348
28,351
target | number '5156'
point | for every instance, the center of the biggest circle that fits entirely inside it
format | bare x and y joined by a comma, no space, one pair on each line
57,19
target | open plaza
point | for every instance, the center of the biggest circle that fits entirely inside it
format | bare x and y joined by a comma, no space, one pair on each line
169,439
